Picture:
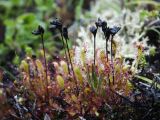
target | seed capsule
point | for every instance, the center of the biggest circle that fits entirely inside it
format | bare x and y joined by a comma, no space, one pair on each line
98,23
56,23
114,30
93,30
39,31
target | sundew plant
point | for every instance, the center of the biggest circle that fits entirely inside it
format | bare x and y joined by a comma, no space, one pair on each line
83,83
79,60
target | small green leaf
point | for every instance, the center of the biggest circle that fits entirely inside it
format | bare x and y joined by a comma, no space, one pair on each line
146,80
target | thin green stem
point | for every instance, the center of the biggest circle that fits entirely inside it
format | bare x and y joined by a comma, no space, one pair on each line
65,52
72,67
154,3
45,62
71,61
94,50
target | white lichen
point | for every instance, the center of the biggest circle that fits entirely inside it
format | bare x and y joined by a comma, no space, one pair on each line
130,34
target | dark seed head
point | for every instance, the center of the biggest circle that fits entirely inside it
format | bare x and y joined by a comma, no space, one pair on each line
39,31
98,23
93,30
114,30
107,33
56,23
65,33
104,26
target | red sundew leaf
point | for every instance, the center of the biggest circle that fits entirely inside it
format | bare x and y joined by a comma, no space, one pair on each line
74,98
72,112
87,91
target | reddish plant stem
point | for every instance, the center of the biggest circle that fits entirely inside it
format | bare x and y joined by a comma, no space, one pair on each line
107,59
112,60
71,64
94,50
45,62
65,52
107,49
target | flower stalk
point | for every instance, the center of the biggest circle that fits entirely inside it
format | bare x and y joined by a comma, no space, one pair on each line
45,60
40,31
56,24
65,35
93,30
67,56
113,32
112,59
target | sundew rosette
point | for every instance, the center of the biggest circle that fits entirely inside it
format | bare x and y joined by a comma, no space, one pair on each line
88,76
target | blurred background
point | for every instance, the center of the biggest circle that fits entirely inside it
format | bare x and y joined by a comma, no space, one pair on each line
18,18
